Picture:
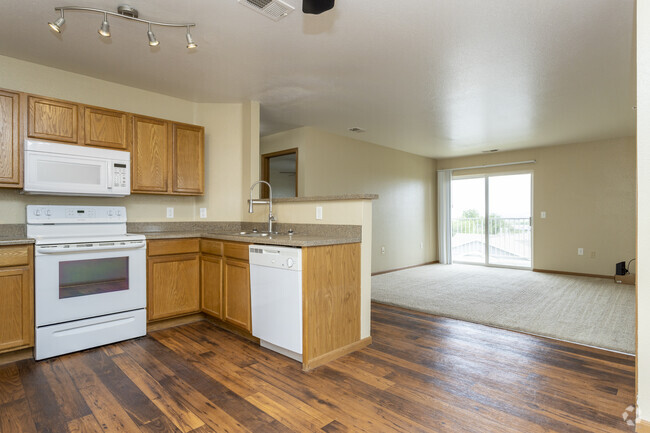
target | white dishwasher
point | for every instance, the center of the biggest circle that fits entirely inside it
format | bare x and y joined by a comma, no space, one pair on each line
276,298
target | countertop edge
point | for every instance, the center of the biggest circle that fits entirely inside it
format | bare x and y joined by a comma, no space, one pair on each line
17,241
281,241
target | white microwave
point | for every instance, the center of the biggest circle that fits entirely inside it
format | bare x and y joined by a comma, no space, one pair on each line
66,169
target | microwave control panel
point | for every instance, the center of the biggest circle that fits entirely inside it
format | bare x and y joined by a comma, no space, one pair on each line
120,175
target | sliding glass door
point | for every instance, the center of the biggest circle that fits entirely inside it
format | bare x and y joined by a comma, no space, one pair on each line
491,220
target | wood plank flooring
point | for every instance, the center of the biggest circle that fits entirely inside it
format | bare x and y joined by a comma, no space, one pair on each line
421,374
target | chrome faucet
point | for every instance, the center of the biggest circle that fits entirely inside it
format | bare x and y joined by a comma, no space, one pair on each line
268,201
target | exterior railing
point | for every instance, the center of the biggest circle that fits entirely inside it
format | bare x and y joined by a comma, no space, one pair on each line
509,238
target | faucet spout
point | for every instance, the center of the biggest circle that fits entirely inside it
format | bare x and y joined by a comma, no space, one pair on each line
251,202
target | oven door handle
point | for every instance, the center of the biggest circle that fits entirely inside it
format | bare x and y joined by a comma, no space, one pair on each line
47,249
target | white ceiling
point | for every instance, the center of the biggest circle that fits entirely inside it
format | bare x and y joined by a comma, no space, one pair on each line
434,77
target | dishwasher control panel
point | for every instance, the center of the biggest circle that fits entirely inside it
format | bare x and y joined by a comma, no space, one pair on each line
275,257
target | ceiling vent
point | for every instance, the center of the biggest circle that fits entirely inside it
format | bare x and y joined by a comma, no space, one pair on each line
274,9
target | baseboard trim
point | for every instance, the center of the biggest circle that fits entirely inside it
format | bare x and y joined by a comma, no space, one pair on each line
336,353
577,274
642,426
406,267
174,321
18,355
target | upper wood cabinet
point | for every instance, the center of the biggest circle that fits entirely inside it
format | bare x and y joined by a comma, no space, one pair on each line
106,128
187,158
10,155
149,156
51,119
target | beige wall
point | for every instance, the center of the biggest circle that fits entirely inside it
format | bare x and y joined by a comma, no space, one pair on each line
231,132
405,214
588,193
643,185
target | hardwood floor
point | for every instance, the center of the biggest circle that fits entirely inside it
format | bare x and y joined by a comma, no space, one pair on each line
421,374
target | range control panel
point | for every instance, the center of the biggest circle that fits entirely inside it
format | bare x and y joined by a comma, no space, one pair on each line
52,214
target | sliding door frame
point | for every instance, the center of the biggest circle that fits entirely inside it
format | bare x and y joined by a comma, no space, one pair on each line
486,228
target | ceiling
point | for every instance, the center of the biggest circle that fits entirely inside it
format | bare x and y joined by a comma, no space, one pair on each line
438,78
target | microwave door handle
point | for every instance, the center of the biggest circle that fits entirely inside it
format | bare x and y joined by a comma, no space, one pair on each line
110,175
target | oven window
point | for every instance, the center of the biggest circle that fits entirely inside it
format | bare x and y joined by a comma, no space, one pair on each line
92,277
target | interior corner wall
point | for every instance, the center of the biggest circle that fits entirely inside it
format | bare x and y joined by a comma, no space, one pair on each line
223,130
404,216
588,192
643,216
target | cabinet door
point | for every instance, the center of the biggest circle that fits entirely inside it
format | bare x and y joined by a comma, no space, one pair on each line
106,128
187,159
211,284
16,308
52,120
10,155
172,286
149,156
237,294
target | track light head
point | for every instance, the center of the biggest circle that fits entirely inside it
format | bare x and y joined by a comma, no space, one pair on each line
190,42
153,42
105,28
56,25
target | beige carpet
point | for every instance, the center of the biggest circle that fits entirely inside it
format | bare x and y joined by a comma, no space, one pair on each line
593,311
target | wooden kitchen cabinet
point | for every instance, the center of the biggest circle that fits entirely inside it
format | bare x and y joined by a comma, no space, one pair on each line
149,156
187,159
237,293
10,149
52,119
106,128
212,285
17,294
172,279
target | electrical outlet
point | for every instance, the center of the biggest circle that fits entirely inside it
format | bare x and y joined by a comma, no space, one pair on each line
203,212
543,214
593,254
581,251
319,212
383,250
170,212
421,245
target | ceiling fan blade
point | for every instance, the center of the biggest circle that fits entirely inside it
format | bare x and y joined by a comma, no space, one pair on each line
316,6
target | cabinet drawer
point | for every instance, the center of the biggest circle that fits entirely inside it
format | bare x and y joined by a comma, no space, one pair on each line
235,250
212,247
14,256
172,246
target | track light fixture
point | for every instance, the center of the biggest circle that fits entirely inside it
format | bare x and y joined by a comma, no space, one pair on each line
105,29
190,41
153,42
126,12
56,25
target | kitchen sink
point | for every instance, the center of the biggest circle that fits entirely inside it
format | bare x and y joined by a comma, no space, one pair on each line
257,234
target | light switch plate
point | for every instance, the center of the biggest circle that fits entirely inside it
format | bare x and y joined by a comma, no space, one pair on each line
319,212
203,212
170,212
581,251
543,214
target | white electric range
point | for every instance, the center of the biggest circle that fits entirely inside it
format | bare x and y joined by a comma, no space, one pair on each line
90,278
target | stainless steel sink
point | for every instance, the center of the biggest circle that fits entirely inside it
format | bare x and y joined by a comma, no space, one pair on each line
257,234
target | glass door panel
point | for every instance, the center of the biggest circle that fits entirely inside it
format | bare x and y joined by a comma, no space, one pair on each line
468,220
93,277
509,229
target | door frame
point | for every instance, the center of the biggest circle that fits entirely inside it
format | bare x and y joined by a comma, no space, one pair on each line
264,191
486,230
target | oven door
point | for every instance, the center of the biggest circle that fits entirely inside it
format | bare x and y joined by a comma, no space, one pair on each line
82,284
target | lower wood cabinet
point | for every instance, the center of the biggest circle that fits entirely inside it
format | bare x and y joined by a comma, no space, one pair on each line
17,295
212,285
172,279
237,293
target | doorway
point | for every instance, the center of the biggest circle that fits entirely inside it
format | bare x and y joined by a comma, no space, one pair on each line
491,220
280,169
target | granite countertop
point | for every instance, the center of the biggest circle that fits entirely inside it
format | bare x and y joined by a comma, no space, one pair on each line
282,239
15,240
